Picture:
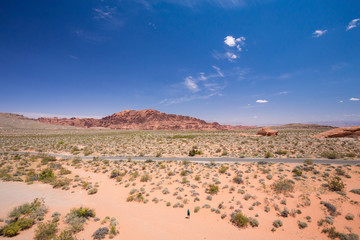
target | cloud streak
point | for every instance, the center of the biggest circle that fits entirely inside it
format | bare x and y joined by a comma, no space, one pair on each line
354,99
353,24
262,101
319,33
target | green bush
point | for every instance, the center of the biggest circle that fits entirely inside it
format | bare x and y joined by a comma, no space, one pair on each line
283,186
10,230
25,223
65,235
83,212
46,175
238,180
223,169
213,189
46,231
239,219
309,162
269,155
330,155
194,151
336,184
145,178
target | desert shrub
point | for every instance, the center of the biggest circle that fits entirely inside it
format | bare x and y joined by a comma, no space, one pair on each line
33,210
349,216
46,231
281,152
253,222
239,219
197,178
223,169
194,151
356,191
277,223
100,233
196,209
329,155
302,225
83,212
77,217
145,178
32,176
64,171
213,189
63,182
336,183
10,230
46,175
25,223
238,180
283,186
297,172
92,191
308,162
183,173
65,235
269,155
332,234
330,207
136,197
47,158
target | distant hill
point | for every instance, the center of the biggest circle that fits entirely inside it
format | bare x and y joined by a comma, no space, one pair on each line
303,125
16,121
148,119
339,123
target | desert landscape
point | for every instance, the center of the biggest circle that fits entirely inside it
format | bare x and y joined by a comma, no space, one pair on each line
84,195
180,119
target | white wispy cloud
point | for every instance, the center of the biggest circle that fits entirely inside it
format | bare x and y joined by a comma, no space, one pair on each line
353,24
89,36
282,93
232,42
231,56
190,84
218,70
104,12
262,101
354,99
171,101
319,33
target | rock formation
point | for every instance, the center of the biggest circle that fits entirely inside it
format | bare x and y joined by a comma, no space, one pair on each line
340,132
267,132
148,119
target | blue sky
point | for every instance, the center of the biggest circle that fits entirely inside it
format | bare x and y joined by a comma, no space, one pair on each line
236,61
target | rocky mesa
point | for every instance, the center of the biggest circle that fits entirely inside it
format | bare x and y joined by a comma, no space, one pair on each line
148,119
340,132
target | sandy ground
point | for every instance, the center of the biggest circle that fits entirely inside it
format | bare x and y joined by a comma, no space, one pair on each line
157,221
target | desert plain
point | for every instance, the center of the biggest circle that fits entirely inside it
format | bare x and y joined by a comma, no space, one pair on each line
73,197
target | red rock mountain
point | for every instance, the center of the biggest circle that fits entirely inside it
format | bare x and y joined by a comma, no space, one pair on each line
148,119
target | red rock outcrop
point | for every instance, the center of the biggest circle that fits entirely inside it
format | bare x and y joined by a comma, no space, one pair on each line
267,132
340,132
142,120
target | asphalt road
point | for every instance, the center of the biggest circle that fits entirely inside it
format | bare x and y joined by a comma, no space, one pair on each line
210,159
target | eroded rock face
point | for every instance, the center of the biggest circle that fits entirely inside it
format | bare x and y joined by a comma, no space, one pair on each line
148,119
340,132
267,132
